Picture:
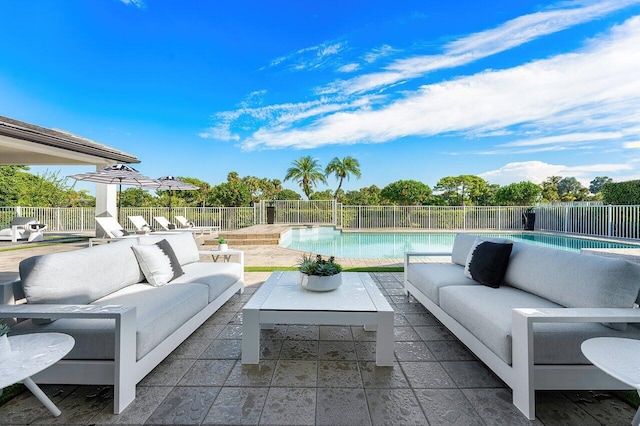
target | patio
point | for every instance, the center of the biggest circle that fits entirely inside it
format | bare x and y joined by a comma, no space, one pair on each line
313,375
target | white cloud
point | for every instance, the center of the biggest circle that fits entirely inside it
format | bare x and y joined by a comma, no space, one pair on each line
571,138
349,67
470,48
632,145
594,90
310,57
137,3
380,52
538,171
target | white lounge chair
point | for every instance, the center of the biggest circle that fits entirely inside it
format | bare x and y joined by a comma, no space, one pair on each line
140,223
23,228
111,229
185,224
168,226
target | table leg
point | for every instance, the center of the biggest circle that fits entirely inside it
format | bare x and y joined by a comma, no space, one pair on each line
41,397
636,418
384,339
250,336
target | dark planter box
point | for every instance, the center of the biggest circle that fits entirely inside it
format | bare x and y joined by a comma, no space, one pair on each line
529,221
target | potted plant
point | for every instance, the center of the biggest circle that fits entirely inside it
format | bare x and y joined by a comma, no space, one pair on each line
5,349
318,274
222,244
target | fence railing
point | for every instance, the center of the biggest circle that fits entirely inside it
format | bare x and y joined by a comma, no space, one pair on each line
589,220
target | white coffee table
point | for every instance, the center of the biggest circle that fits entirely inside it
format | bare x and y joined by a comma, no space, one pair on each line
280,300
30,354
618,357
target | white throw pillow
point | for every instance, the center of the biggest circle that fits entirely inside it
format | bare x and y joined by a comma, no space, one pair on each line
158,262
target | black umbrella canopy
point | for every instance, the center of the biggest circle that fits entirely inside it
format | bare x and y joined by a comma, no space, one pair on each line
119,174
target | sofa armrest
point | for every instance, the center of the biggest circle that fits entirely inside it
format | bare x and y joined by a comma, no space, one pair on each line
26,310
559,315
522,349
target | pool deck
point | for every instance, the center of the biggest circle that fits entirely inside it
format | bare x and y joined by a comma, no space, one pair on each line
313,375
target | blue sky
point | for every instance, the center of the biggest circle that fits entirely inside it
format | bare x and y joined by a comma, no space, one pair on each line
507,90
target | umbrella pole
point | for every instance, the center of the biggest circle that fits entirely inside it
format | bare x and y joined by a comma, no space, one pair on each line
119,200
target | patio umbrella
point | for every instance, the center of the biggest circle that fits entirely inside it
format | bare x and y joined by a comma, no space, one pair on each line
119,174
172,183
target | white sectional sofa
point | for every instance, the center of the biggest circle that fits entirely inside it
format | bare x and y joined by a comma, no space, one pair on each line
529,330
84,291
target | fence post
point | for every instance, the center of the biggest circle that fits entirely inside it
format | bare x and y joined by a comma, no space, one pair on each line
394,217
82,219
359,217
464,217
429,217
566,220
499,218
609,221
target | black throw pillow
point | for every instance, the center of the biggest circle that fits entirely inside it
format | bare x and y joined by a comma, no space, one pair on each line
487,262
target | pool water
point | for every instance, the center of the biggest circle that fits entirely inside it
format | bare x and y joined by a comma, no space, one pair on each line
329,241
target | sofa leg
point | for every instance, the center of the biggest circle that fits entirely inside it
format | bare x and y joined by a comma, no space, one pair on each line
124,382
524,395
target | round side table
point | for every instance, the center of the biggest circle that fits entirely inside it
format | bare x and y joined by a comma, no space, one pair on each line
30,354
618,357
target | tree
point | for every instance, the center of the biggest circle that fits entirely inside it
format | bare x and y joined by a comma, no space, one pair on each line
230,194
366,196
11,184
138,197
595,186
569,189
464,189
550,189
518,194
342,169
327,194
287,194
406,193
306,171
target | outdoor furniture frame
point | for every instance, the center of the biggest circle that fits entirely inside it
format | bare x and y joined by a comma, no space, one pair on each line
280,300
523,376
23,228
124,371
139,222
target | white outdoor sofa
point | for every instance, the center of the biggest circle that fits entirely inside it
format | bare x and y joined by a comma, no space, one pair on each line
86,290
23,228
530,329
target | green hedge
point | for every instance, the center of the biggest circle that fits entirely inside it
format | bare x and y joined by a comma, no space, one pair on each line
621,193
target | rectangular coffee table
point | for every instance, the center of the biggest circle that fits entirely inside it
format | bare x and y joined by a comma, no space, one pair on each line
280,300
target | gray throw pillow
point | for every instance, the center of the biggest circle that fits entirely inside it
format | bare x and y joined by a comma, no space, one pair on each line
158,262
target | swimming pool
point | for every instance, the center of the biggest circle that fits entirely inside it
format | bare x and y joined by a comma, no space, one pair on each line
329,241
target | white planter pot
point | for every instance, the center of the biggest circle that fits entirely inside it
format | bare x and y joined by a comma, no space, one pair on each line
317,283
223,247
5,348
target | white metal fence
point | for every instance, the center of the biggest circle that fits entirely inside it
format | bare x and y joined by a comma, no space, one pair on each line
588,220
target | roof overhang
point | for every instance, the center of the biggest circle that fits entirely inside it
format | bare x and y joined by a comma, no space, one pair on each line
24,143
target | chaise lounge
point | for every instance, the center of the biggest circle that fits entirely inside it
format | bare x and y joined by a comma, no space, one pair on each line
104,298
529,330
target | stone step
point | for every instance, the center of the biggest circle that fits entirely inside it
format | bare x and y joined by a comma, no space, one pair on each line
233,242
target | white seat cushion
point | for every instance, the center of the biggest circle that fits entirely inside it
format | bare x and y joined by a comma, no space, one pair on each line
217,276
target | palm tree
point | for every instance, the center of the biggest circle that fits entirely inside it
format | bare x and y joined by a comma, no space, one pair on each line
343,169
306,171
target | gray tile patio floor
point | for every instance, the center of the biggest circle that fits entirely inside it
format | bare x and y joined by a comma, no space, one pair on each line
319,375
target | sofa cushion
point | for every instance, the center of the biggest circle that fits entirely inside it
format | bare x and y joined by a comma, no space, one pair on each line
183,244
158,262
487,262
159,312
80,276
429,278
572,279
217,276
461,246
486,313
